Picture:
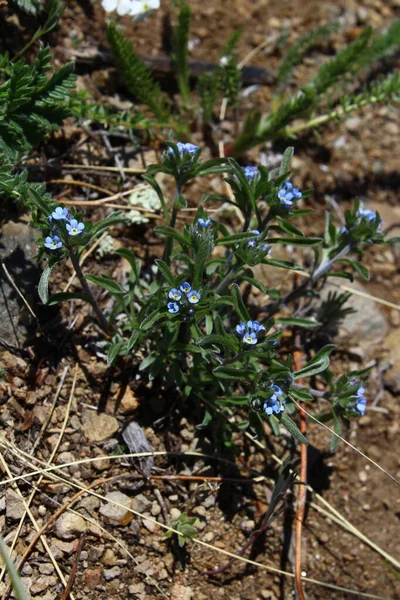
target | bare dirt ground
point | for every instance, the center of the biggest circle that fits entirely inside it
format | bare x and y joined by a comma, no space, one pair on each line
126,556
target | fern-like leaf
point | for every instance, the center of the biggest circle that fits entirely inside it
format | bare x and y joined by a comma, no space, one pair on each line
180,39
32,104
138,78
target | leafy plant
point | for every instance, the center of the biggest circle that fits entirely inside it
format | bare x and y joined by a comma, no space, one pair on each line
31,103
185,527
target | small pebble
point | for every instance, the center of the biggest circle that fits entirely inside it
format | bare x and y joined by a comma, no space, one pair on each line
111,574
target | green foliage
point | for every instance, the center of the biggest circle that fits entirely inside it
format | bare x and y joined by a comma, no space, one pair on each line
300,49
185,528
180,40
138,78
18,589
328,85
32,104
224,81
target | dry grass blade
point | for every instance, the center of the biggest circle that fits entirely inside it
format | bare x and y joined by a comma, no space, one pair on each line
377,465
272,569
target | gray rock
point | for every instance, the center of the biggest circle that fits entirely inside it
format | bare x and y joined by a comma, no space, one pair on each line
69,526
42,583
113,512
98,428
14,505
367,325
17,247
112,573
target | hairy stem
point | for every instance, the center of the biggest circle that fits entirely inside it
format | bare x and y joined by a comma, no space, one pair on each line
104,324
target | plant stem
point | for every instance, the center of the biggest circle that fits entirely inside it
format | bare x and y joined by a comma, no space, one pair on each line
104,324
322,270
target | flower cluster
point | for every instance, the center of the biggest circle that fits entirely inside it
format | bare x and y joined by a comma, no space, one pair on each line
360,403
203,223
250,172
363,214
185,148
287,194
185,294
133,8
274,404
72,226
249,331
256,244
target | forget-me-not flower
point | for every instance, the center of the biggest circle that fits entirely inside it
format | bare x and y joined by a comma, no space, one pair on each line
174,294
250,172
274,404
204,223
185,287
193,296
53,243
361,401
59,214
74,228
186,148
173,307
287,194
249,331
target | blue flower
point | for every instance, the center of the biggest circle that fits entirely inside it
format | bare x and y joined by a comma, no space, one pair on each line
53,243
193,296
360,402
204,223
185,287
241,328
288,193
255,326
173,307
360,405
174,294
252,243
250,338
187,148
60,214
274,404
365,213
250,172
74,228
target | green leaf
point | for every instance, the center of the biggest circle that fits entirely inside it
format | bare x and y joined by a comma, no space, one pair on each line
130,257
337,428
236,238
296,241
301,394
16,581
114,351
238,303
227,341
147,362
226,372
317,364
201,258
287,157
114,219
170,232
289,228
282,264
298,322
292,428
151,319
64,296
133,340
106,283
357,266
166,273
152,181
43,288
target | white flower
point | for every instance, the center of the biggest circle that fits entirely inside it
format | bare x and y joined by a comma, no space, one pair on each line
141,8
135,8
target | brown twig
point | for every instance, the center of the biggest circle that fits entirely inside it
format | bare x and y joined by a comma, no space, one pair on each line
302,493
49,523
74,568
